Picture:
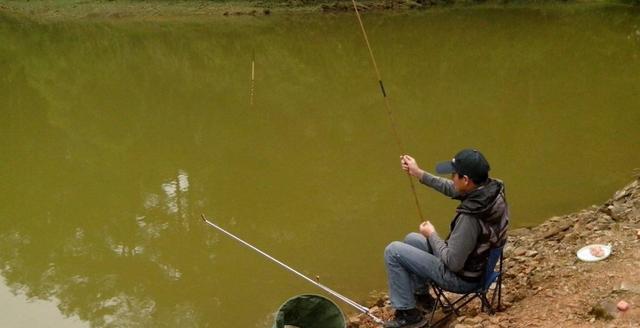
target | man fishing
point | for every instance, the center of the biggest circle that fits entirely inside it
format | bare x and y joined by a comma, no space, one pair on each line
457,263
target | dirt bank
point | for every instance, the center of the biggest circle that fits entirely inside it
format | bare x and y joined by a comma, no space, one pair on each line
159,9
190,9
547,286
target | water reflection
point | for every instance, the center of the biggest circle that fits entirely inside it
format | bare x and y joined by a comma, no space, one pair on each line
32,313
95,241
174,192
113,273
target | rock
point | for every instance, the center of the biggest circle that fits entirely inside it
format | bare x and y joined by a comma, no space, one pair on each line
520,232
622,194
460,325
638,233
606,209
629,287
556,230
472,312
473,321
618,211
354,321
571,237
519,251
531,253
554,219
623,306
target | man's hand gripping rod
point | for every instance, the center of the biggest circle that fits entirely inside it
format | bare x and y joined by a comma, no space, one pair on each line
359,307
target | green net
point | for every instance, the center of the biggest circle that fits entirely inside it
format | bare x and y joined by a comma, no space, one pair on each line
309,311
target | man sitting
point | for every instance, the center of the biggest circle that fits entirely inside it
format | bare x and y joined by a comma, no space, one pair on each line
457,263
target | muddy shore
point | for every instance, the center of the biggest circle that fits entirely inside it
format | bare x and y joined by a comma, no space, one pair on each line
546,285
52,10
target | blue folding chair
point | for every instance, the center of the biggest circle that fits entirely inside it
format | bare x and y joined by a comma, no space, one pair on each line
489,277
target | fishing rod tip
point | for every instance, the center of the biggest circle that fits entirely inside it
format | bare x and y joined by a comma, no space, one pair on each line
204,218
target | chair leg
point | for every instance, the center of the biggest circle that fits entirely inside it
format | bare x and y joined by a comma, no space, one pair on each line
486,304
435,307
499,295
500,283
498,291
451,306
441,298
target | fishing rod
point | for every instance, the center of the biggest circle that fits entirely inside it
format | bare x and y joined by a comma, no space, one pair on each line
343,298
388,107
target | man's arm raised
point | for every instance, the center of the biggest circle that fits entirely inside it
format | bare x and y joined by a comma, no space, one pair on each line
440,184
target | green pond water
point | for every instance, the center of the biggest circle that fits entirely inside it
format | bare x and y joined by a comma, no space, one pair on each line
116,135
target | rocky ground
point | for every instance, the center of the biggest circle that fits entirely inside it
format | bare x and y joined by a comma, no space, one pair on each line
546,285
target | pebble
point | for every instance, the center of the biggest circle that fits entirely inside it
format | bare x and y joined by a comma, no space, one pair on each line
623,306
519,251
354,321
473,321
629,287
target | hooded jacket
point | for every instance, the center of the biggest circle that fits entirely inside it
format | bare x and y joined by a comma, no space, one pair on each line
480,224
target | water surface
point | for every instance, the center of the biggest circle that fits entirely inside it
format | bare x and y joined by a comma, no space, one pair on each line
117,135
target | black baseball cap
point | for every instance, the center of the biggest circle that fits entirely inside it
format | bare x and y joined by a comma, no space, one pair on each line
469,162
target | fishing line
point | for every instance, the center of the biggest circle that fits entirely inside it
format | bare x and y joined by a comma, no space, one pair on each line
341,297
388,107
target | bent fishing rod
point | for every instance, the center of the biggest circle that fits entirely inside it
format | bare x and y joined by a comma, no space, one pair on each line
388,107
341,297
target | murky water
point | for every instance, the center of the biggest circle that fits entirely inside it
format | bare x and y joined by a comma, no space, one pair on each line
115,136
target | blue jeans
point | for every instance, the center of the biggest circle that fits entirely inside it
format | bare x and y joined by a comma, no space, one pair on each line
411,266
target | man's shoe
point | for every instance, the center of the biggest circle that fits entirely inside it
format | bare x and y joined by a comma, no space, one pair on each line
407,319
425,302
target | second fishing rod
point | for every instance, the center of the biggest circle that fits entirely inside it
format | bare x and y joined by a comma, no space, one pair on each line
332,292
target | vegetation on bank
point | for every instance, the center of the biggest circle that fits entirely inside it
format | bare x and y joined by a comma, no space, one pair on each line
62,9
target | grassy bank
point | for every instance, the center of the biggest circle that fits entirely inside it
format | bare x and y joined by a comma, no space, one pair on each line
162,9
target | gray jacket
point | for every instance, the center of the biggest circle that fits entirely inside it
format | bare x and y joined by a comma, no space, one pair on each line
480,224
